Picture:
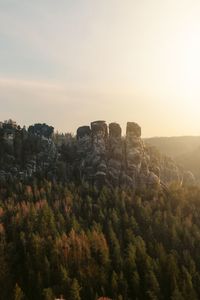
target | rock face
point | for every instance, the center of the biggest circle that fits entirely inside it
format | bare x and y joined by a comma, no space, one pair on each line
107,158
98,155
91,150
99,145
134,151
84,150
115,154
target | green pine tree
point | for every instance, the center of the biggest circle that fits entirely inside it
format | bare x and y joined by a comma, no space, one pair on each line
75,290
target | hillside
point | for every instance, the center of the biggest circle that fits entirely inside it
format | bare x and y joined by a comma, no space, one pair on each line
95,215
184,150
190,161
74,240
98,154
174,146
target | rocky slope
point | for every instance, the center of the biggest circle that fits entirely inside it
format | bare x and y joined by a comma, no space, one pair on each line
98,155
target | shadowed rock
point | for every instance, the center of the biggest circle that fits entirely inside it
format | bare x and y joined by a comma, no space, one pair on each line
91,145
99,137
83,131
115,130
133,129
99,127
134,145
115,153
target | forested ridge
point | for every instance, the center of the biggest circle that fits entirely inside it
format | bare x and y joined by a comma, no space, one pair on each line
74,240
95,215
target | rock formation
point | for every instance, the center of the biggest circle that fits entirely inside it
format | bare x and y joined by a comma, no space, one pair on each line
106,157
115,154
98,155
99,151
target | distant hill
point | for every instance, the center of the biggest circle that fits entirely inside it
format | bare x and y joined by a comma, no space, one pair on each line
174,146
190,161
185,150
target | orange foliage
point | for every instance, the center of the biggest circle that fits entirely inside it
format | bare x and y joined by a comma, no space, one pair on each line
1,228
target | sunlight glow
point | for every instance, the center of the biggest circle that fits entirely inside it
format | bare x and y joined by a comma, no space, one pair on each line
114,60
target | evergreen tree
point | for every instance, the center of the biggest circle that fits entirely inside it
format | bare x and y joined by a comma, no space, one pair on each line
75,290
18,293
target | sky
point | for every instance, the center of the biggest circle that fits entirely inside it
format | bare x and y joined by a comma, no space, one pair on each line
70,62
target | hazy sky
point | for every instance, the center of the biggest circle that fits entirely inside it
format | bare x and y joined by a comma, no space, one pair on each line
69,62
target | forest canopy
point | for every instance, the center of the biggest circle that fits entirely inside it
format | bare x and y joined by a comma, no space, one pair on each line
73,240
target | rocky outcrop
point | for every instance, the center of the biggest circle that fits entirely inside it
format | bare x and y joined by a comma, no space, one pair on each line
99,151
134,151
91,149
115,155
98,155
84,150
106,157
